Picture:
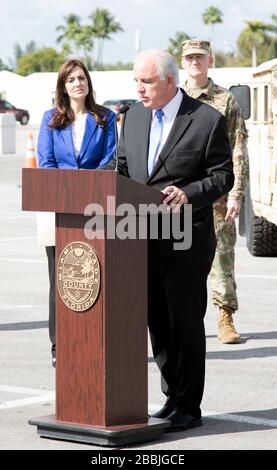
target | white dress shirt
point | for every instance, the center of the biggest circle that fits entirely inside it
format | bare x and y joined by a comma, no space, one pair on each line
78,130
170,111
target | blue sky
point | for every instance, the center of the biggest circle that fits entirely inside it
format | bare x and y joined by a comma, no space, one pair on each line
157,21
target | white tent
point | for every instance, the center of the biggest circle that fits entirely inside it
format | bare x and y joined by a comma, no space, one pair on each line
9,83
36,92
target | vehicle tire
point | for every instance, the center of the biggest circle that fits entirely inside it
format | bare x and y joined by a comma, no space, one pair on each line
261,235
24,120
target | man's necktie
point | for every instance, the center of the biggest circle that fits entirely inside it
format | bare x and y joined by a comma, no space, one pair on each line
155,139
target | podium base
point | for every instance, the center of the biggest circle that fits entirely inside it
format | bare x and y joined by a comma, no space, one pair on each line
49,427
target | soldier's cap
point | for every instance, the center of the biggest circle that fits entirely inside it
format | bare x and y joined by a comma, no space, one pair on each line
196,46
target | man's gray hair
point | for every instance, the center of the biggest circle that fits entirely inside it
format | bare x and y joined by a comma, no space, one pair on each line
166,64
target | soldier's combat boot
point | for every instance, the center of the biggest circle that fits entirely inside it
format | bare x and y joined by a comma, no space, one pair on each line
227,333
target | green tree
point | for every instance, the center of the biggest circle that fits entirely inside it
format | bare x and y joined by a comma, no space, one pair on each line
4,66
30,47
103,25
254,43
272,28
211,16
76,38
42,60
175,45
69,37
225,59
84,42
18,52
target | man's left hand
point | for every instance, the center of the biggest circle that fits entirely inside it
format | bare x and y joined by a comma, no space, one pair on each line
233,208
175,197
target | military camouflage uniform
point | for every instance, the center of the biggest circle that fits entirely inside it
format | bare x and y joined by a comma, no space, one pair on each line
222,273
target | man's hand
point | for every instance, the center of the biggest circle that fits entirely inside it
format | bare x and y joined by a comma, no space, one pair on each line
233,208
175,197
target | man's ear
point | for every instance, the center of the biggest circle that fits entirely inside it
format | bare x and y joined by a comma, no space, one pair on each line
170,79
211,60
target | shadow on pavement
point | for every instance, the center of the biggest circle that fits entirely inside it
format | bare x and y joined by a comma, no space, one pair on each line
28,325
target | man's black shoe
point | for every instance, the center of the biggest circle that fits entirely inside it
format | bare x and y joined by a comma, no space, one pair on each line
165,410
180,421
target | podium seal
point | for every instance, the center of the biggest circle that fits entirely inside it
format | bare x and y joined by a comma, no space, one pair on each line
78,276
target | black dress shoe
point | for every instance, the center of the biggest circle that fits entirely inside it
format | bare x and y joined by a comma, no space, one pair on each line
180,421
165,410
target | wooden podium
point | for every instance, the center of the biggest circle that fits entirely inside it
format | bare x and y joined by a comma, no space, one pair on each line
101,370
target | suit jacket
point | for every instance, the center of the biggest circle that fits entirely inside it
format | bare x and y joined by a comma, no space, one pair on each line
55,146
196,157
55,150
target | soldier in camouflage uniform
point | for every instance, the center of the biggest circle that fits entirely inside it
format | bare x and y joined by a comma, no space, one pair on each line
196,59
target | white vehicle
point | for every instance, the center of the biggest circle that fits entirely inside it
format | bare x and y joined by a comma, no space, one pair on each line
258,218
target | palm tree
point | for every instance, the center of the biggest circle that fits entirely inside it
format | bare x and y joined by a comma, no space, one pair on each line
30,47
272,28
175,45
211,16
103,25
253,41
84,41
76,37
257,33
70,32
87,268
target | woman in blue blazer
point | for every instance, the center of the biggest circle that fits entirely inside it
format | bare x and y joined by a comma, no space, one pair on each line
76,106
77,133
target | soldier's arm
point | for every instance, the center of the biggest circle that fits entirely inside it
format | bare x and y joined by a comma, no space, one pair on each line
237,134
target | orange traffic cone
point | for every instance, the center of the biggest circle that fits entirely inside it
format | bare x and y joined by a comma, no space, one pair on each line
30,161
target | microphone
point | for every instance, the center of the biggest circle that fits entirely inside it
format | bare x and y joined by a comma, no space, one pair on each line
123,110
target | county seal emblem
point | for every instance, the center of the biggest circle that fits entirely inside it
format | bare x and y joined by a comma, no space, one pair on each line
78,276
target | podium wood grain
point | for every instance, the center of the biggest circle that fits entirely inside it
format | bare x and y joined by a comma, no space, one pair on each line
101,369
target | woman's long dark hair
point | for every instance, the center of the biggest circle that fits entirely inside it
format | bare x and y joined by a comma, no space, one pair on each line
63,114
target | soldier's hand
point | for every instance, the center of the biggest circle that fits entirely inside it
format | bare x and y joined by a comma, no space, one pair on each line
233,208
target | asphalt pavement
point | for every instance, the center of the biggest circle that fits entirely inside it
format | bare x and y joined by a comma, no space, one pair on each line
240,399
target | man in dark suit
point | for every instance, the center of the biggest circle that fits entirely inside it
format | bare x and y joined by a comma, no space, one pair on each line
190,162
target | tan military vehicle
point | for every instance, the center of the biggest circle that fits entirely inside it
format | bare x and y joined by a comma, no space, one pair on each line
258,218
